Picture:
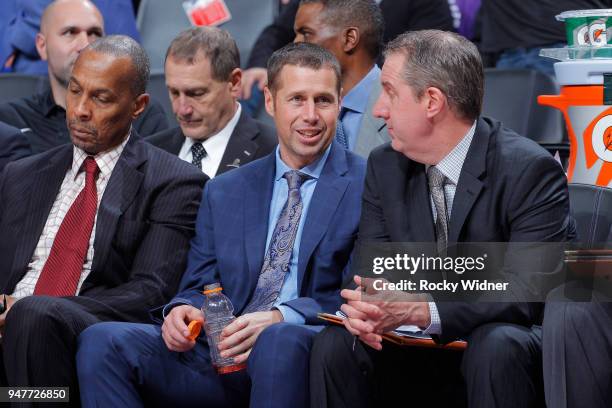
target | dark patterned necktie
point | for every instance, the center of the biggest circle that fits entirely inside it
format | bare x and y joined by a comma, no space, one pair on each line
436,181
62,271
278,256
198,153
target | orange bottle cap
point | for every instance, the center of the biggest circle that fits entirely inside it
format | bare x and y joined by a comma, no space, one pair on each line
195,327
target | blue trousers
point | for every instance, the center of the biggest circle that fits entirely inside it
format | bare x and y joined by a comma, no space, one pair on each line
128,365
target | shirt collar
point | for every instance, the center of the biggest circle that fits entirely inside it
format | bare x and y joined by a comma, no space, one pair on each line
314,169
357,98
106,161
47,103
452,163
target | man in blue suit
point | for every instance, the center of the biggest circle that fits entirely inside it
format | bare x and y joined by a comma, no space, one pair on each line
277,234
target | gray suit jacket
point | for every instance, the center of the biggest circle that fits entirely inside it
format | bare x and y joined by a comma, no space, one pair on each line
373,131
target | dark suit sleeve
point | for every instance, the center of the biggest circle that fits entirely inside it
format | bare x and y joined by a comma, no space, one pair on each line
201,260
372,225
13,145
152,120
538,212
160,257
274,36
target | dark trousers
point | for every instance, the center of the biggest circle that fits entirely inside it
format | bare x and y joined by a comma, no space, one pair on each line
577,351
128,365
500,368
40,342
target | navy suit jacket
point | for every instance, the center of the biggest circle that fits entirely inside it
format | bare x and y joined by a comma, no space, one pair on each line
510,190
232,227
145,221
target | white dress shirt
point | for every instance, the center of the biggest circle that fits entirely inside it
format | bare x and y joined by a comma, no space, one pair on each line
74,182
215,146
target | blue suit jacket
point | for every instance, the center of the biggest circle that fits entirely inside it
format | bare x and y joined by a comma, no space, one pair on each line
232,226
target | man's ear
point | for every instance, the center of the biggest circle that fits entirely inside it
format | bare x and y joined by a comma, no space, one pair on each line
269,101
235,83
140,104
435,101
41,46
350,39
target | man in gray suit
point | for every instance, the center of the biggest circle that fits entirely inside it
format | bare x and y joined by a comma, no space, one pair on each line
354,38
203,77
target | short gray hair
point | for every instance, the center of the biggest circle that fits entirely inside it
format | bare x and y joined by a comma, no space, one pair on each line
446,61
123,46
302,55
216,44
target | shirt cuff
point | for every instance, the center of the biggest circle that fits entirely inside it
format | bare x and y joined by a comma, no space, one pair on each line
174,303
290,315
435,327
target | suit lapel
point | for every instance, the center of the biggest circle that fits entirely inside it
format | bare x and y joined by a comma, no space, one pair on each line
241,147
256,213
175,143
323,205
419,216
470,183
45,186
372,130
120,192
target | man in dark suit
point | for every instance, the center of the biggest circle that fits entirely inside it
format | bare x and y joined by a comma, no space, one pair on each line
66,28
448,176
282,226
355,39
13,144
93,231
203,77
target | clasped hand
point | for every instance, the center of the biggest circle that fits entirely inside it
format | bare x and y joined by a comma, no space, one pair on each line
370,313
237,339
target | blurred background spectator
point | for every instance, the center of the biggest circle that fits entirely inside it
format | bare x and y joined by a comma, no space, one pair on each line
20,22
514,31
399,16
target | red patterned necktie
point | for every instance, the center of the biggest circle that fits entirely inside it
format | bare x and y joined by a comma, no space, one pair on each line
61,273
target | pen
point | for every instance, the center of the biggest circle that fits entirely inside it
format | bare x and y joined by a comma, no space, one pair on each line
354,342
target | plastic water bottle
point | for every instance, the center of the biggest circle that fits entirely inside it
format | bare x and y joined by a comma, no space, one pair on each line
218,313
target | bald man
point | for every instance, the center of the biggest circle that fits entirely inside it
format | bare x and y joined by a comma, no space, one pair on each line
67,26
20,22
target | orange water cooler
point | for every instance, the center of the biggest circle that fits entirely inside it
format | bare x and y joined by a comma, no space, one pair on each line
586,103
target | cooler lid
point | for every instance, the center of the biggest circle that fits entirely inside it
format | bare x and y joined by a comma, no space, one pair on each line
582,72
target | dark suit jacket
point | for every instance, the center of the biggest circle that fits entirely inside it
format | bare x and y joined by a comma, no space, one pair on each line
510,190
232,226
13,145
145,220
250,140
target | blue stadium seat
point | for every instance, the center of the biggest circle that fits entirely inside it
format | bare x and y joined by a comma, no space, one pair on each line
14,86
159,21
510,95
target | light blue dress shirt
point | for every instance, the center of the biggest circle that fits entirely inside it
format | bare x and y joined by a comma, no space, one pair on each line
354,105
280,192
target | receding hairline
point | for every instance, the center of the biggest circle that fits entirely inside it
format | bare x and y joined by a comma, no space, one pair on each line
48,13
83,58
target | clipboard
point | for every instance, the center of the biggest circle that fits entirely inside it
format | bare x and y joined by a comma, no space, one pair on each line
402,340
